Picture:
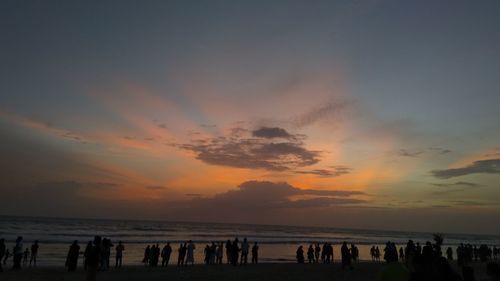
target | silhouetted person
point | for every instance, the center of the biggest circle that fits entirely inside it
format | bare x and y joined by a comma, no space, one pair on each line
25,257
377,253
206,251
310,254
401,254
449,253
93,259
300,255
18,253
7,255
86,254
346,256
235,252
213,253
147,252
119,254
317,252
165,254
354,253
154,255
219,253
105,253
72,258
228,251
182,254
255,253
244,251
410,252
428,252
190,252
34,253
390,252
2,252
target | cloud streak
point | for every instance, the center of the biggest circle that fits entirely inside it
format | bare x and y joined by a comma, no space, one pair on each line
490,166
334,172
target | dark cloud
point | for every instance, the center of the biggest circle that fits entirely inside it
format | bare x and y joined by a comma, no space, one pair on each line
240,151
409,153
457,184
269,133
271,195
334,172
490,166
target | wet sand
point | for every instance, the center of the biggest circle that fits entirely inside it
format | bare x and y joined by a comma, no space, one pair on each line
363,271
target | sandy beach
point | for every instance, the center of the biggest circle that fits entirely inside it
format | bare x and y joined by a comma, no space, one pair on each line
270,271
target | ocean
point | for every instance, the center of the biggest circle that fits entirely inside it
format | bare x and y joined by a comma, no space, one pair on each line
277,243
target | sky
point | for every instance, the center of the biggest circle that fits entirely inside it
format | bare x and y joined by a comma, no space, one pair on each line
374,114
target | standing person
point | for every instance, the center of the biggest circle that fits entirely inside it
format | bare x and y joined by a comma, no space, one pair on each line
244,251
18,253
346,256
25,257
157,255
2,252
190,252
207,254
401,254
310,254
7,255
449,254
119,254
86,254
228,251
235,252
34,253
72,258
93,259
182,254
105,253
255,253
354,253
213,253
317,252
165,254
300,254
219,253
147,251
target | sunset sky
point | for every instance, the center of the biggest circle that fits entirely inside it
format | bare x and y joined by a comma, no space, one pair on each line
361,114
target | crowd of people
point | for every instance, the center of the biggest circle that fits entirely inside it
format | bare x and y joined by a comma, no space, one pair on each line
315,251
19,257
416,262
236,253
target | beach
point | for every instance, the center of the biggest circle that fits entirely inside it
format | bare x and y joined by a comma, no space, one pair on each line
362,271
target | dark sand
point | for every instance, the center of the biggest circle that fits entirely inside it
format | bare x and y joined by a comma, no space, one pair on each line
363,271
